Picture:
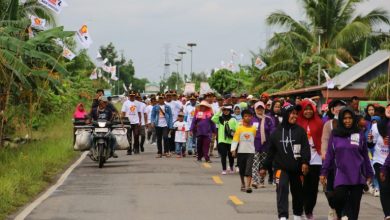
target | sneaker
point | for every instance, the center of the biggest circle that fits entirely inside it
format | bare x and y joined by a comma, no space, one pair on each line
129,152
371,190
296,217
237,169
283,218
154,144
223,172
344,218
376,193
114,155
332,214
387,218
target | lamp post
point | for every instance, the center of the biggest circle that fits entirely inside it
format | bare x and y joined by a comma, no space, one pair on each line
319,31
177,70
191,45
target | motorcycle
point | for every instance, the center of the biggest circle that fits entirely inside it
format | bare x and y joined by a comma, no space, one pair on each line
101,141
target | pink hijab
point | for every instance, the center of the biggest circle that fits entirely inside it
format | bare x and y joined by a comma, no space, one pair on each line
80,112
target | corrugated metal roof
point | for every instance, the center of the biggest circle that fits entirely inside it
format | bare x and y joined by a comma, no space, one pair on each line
360,69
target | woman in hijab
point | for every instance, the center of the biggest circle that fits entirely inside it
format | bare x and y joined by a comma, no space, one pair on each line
309,120
80,113
226,126
237,113
264,126
276,113
348,152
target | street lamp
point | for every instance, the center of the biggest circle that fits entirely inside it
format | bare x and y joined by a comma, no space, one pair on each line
177,71
191,45
182,60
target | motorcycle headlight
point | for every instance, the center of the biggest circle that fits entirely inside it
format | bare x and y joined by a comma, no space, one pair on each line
102,124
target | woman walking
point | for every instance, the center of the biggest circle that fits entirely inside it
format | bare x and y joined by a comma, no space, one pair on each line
347,150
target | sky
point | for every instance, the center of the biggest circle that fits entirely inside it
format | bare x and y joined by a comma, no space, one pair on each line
141,29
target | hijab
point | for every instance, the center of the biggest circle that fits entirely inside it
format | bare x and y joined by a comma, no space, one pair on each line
341,130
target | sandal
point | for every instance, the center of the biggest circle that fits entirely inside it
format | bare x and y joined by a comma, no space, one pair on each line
249,190
254,186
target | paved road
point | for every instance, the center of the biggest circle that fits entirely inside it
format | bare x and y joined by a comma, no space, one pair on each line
142,187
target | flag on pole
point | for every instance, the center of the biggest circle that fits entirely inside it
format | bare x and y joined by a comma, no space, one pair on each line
106,68
341,63
329,82
124,87
94,75
260,64
114,77
37,23
54,5
113,70
84,37
99,56
233,52
100,75
68,54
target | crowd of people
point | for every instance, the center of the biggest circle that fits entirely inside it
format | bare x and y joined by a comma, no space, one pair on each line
298,146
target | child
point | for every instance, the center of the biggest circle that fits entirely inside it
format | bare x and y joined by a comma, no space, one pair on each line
180,135
245,137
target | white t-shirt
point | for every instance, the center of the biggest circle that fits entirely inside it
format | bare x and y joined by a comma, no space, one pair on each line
315,157
180,134
175,108
381,151
142,110
189,113
162,121
148,111
131,109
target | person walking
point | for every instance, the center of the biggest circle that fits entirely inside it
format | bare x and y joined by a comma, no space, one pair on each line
180,135
226,128
289,153
348,152
309,120
189,113
204,129
162,122
243,146
132,110
264,127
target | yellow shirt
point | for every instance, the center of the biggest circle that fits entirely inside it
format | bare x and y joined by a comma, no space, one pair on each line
245,137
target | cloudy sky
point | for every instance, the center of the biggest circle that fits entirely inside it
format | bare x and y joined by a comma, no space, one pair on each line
141,28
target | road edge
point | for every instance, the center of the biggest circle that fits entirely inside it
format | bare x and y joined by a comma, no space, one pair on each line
26,211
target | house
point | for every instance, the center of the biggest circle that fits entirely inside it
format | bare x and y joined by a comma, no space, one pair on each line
351,82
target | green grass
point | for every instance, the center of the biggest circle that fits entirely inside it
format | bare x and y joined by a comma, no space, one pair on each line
29,169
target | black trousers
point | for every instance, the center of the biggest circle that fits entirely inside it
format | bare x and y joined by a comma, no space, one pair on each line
142,133
171,141
384,188
284,181
310,188
224,151
347,200
133,137
162,133
330,188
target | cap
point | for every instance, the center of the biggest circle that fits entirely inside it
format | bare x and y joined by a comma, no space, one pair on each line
227,106
193,97
289,107
161,96
103,99
132,93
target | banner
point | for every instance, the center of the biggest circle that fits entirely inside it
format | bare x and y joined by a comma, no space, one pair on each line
114,77
84,37
68,54
54,5
341,63
329,82
204,88
37,23
59,42
189,88
113,70
124,87
260,64
100,75
106,68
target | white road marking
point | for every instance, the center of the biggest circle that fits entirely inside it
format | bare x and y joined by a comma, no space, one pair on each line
52,189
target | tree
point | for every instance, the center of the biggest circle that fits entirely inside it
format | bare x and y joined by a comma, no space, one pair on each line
223,81
174,82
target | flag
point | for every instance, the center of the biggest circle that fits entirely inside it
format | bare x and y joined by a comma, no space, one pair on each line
114,77
54,5
204,88
100,75
84,37
189,88
99,56
68,54
113,70
260,64
94,75
106,68
105,61
59,42
37,23
124,87
341,63
329,82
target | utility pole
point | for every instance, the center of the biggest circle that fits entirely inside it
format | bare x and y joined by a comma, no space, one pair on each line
191,45
166,64
320,31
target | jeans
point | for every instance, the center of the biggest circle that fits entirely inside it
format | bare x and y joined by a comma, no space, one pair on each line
191,142
162,133
179,148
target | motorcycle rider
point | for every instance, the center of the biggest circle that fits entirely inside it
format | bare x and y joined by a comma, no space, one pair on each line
104,112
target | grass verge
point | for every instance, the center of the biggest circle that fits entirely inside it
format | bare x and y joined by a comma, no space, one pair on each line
29,169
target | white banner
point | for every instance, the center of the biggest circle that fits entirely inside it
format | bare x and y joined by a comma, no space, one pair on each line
84,37
204,88
54,5
68,54
189,88
329,82
37,23
106,68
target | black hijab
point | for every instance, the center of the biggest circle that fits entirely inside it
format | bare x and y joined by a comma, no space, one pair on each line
341,130
286,111
223,118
